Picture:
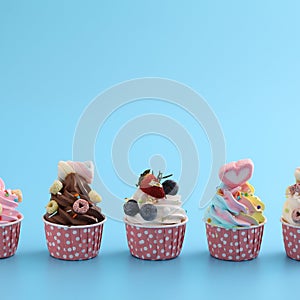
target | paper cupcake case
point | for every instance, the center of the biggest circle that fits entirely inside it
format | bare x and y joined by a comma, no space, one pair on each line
291,240
73,242
155,243
9,238
234,244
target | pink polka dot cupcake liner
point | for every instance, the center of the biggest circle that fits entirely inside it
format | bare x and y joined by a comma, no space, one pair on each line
73,242
155,243
291,240
237,244
9,238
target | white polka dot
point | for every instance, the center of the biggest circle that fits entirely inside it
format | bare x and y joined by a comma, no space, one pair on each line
148,255
64,256
51,227
161,241
219,245
224,255
291,234
146,232
237,257
229,257
68,242
168,253
145,248
225,235
162,250
167,238
158,257
71,256
150,236
245,239
218,229
67,235
236,244
69,249
235,237
85,230
77,238
170,231
154,251
131,232
139,235
76,254
243,233
243,255
159,231
141,242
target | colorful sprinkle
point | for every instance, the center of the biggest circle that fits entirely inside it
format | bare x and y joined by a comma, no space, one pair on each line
209,220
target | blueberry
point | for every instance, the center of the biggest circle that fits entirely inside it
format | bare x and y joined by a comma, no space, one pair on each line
131,208
170,187
148,212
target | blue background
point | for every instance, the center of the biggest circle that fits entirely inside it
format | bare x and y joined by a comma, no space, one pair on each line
56,56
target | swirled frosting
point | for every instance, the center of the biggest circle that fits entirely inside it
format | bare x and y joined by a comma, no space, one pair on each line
291,206
9,201
235,204
63,208
153,203
169,210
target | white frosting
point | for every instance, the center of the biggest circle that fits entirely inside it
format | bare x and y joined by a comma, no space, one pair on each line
291,203
169,210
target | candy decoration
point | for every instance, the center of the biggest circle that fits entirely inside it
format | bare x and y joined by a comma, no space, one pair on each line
131,208
170,187
81,206
148,212
297,174
51,207
56,187
84,169
296,215
236,173
94,196
64,168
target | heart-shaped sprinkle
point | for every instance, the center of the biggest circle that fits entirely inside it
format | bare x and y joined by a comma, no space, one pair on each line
236,173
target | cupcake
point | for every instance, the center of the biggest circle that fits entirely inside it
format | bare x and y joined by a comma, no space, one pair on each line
10,220
155,222
73,221
234,220
290,219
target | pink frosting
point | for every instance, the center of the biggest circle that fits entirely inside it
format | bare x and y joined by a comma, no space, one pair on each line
9,202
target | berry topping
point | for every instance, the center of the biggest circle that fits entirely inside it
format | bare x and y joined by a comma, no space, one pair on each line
131,208
170,187
150,185
148,212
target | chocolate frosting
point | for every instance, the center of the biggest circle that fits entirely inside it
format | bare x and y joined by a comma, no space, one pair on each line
72,185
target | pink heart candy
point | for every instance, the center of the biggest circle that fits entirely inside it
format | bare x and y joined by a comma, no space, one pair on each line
236,173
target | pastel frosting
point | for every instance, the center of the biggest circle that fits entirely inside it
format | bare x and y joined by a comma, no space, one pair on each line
235,204
9,201
291,206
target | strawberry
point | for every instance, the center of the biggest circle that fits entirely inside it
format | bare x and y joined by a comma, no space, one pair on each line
150,185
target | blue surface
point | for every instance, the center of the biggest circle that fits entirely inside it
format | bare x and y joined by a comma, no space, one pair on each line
56,56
